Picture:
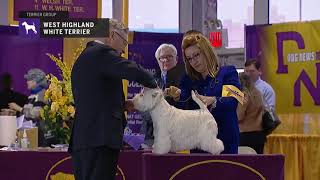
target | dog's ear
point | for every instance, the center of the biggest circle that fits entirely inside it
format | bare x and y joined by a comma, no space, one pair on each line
155,94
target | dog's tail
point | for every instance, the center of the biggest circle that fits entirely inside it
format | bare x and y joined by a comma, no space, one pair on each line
198,101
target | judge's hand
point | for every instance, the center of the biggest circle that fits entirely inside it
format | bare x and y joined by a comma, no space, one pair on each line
173,92
15,107
128,106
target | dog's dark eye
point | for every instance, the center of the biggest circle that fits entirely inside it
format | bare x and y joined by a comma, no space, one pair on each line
141,95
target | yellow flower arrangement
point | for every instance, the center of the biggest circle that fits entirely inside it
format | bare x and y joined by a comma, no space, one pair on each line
60,110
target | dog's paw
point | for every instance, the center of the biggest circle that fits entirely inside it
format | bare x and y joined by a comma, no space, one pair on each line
160,149
156,151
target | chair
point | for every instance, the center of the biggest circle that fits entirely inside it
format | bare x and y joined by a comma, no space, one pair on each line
246,150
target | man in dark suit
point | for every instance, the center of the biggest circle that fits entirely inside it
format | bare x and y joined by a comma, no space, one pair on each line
170,74
100,104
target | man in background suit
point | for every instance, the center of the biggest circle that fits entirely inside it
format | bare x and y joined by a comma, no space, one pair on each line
100,104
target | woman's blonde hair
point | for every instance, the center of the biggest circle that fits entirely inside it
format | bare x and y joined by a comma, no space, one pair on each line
205,47
249,89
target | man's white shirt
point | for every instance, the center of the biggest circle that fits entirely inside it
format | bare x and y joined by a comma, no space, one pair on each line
267,92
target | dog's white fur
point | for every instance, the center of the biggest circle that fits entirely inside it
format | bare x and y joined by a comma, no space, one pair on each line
176,129
28,27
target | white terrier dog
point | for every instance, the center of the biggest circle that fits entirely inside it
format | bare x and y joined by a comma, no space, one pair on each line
28,27
176,129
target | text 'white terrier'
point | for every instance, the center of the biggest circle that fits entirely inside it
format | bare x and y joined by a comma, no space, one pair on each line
176,129
28,27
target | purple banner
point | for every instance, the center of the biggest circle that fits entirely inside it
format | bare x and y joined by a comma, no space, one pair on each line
253,49
205,166
76,8
58,165
19,54
143,52
139,165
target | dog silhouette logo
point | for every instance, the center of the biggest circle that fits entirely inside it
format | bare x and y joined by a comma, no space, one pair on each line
28,27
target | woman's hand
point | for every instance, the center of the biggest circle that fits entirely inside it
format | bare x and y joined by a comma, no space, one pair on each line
173,92
15,107
207,100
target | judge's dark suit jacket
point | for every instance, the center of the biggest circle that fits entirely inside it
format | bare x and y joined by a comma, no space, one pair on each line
98,93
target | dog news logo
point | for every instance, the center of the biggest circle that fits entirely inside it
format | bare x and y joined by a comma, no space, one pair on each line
29,27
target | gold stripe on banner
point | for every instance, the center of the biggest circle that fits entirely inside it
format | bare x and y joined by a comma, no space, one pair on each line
11,20
63,175
232,91
218,161
130,37
55,165
125,19
72,47
99,12
121,173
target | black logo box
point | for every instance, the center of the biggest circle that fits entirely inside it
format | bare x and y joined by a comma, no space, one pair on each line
98,27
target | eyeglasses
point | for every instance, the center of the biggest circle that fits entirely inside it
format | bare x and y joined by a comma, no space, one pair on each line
124,41
194,57
164,58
